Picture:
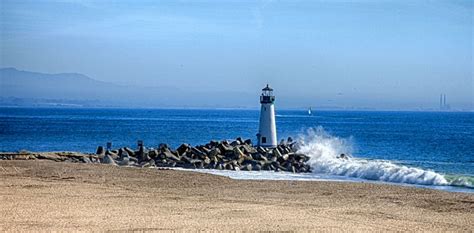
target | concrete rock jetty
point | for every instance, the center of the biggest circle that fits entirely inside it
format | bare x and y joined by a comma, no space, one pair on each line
223,155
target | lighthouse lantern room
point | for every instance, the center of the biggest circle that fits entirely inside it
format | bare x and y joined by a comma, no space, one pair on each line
266,135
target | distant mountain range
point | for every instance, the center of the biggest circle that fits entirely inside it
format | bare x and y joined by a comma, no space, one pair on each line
27,84
26,88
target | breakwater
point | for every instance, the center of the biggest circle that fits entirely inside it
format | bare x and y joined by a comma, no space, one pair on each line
221,155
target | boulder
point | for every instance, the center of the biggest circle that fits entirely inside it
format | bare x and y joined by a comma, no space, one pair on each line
276,153
124,162
183,148
133,159
112,154
206,161
261,150
70,160
228,166
238,154
282,142
140,152
343,157
268,167
289,140
163,146
248,149
272,158
247,167
22,157
279,166
214,152
146,164
304,157
50,156
235,143
108,160
215,159
283,158
145,157
123,154
286,150
224,147
281,148
235,163
167,154
153,154
210,165
293,169
198,153
249,157
294,147
204,149
258,156
239,140
257,167
186,159
86,160
100,150
197,163
142,155
213,144
129,151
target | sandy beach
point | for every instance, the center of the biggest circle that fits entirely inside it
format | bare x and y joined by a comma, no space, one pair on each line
46,195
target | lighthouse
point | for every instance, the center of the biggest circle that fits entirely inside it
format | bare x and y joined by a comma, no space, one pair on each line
266,135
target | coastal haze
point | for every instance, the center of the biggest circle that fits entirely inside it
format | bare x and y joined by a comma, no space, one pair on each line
33,89
337,55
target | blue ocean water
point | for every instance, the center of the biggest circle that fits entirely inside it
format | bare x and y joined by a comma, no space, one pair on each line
442,142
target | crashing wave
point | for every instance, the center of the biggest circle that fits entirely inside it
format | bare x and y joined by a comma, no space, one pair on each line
325,150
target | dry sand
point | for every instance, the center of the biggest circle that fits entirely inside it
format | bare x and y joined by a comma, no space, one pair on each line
45,195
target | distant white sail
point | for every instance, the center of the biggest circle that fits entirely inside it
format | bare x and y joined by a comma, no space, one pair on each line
309,111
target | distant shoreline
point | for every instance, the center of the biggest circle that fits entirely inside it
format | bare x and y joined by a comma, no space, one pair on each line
302,109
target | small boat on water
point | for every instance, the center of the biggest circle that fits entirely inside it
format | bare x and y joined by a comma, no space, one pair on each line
309,111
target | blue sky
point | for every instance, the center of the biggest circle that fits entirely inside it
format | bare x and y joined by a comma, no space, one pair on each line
376,54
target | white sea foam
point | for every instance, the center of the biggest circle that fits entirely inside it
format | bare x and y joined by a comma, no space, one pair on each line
324,150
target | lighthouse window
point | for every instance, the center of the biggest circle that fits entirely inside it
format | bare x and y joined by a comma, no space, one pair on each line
264,140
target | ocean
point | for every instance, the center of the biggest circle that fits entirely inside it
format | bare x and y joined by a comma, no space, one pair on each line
413,148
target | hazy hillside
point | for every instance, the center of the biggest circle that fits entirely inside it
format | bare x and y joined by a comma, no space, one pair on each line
26,84
31,88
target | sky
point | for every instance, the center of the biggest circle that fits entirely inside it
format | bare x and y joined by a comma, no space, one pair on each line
348,54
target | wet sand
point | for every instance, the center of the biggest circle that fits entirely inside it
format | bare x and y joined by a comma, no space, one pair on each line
46,195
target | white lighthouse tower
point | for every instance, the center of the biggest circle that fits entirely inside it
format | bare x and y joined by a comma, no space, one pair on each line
266,135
